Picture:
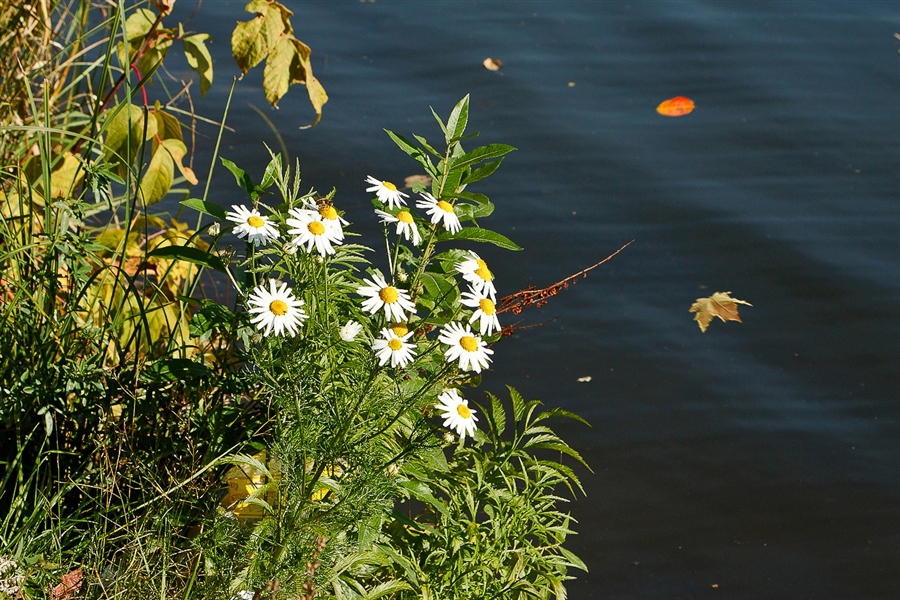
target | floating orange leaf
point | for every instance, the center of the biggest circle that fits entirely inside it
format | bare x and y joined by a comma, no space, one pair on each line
675,107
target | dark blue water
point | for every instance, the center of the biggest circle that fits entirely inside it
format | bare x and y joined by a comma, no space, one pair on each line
757,460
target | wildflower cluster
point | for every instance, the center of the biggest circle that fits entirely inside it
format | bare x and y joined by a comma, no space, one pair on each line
365,368
395,329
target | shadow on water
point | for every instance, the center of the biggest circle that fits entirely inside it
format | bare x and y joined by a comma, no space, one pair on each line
758,459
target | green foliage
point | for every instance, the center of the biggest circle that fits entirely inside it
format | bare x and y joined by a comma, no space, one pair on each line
132,403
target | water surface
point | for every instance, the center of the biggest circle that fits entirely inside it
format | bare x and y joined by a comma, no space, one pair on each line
757,460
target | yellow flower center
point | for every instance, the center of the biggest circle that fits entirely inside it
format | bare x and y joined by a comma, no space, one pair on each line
399,329
389,185
255,221
468,343
278,307
482,270
395,344
404,217
328,212
316,227
487,306
463,411
388,294
445,206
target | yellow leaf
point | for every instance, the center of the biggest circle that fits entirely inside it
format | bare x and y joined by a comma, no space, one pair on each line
178,151
65,177
159,175
720,304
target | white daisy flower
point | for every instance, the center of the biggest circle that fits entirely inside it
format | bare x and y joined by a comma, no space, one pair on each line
312,231
379,294
329,214
440,210
276,309
470,350
250,224
457,414
485,310
394,347
406,225
387,192
475,271
350,330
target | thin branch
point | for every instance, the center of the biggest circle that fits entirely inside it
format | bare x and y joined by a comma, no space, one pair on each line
516,303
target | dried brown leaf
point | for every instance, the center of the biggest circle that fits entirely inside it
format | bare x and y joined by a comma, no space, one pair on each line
720,304
409,181
71,583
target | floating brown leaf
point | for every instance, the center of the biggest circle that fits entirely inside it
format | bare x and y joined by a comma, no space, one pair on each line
675,107
423,179
719,305
492,64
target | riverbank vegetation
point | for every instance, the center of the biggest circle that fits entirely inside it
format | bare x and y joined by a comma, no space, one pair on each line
318,435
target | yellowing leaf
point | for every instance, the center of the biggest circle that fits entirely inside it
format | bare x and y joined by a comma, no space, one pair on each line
720,304
128,121
178,150
158,177
277,74
675,107
270,36
248,45
64,178
198,58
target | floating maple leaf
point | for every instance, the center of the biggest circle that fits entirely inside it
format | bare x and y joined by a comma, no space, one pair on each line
675,107
719,305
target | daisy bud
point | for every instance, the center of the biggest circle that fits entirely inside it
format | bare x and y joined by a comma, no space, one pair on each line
350,330
214,229
290,248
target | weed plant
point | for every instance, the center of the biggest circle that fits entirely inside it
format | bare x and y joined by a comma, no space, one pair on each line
312,440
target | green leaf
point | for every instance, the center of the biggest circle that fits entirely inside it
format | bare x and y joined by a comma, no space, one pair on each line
241,177
138,25
477,234
199,59
439,122
174,369
155,55
423,493
498,415
479,154
414,152
482,172
456,123
426,145
209,317
158,177
476,198
272,172
189,254
207,208
125,135
483,210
